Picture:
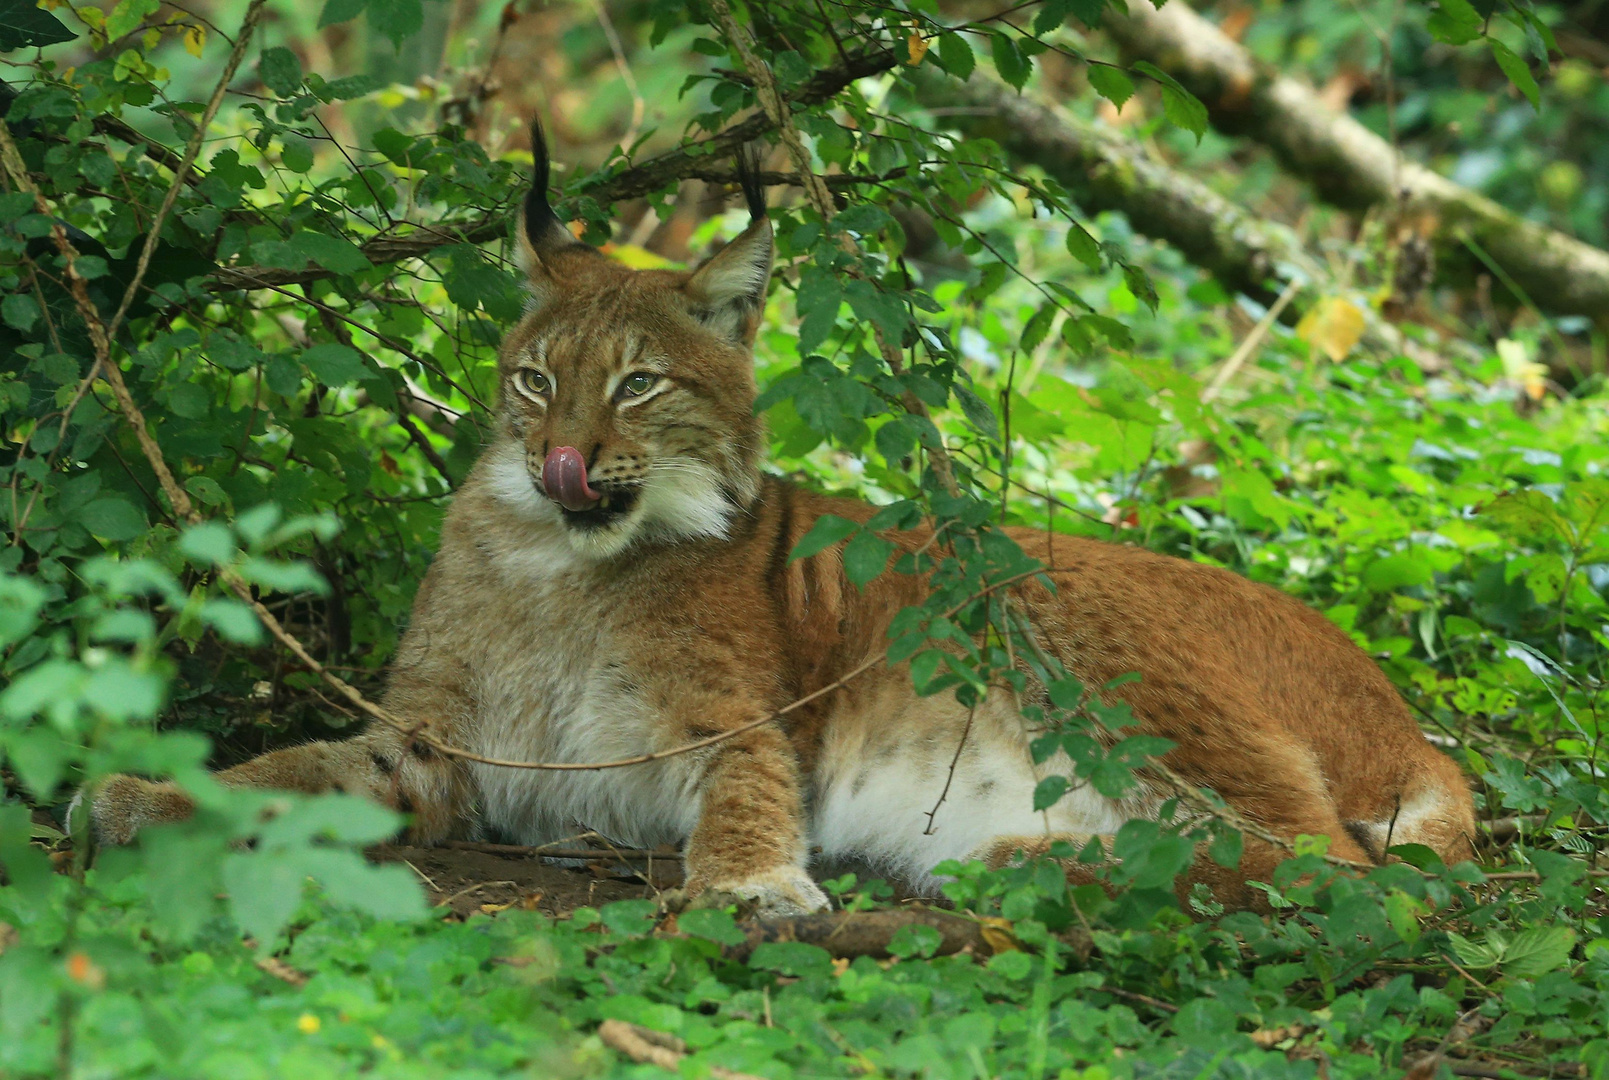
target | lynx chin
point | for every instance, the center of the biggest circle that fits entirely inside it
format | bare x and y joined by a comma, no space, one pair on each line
614,579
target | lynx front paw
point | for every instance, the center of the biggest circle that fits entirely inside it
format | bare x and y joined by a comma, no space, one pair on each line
786,890
126,804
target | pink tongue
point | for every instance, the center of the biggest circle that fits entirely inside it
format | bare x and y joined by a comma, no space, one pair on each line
564,475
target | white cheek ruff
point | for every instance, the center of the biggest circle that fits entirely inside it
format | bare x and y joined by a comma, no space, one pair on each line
683,500
511,484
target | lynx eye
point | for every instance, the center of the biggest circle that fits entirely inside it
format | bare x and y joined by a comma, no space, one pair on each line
532,382
637,385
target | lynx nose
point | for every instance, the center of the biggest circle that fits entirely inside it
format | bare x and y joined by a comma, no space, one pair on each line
564,478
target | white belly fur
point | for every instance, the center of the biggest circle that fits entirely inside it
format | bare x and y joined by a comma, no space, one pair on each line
879,779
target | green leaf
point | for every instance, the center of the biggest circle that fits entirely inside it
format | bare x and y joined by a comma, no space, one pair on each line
791,958
866,556
1418,855
828,530
1396,572
127,16
1009,60
925,668
1082,246
711,924
25,25
210,542
192,401
331,252
1518,72
1535,952
39,757
398,20
1471,953
234,621
20,311
1178,104
1048,792
1455,23
296,153
1226,847
1112,83
915,940
629,918
955,53
280,71
880,307
112,518
335,365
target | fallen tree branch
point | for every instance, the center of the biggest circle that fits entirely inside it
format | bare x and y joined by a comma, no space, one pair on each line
1350,165
863,933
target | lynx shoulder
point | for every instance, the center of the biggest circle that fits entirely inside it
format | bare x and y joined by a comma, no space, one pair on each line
614,579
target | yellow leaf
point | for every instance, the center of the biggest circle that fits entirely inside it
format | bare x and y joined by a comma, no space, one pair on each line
999,935
638,258
917,46
308,1024
1333,326
1519,368
194,38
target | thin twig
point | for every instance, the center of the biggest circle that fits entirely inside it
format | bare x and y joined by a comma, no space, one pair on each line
950,777
1248,347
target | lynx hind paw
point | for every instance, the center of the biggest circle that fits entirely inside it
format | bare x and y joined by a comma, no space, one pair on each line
784,891
126,804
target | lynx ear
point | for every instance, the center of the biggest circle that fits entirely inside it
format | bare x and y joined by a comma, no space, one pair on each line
542,236
728,292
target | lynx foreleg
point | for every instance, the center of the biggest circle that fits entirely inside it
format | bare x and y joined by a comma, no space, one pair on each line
750,839
378,764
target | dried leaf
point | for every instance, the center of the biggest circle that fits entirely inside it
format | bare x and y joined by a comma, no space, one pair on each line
917,46
999,935
1333,326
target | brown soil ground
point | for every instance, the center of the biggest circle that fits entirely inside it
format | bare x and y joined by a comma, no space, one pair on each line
470,881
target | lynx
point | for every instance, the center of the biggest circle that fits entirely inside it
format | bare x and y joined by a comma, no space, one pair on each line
614,578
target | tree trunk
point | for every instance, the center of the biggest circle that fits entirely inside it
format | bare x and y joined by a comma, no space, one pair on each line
1351,166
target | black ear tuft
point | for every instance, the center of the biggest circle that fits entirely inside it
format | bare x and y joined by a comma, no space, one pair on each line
728,292
748,178
543,229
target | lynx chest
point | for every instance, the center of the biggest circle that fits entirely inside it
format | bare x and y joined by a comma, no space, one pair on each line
558,679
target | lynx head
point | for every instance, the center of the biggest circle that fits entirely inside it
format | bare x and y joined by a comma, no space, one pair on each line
631,392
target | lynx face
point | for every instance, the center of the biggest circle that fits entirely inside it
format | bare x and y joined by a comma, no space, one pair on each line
631,392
